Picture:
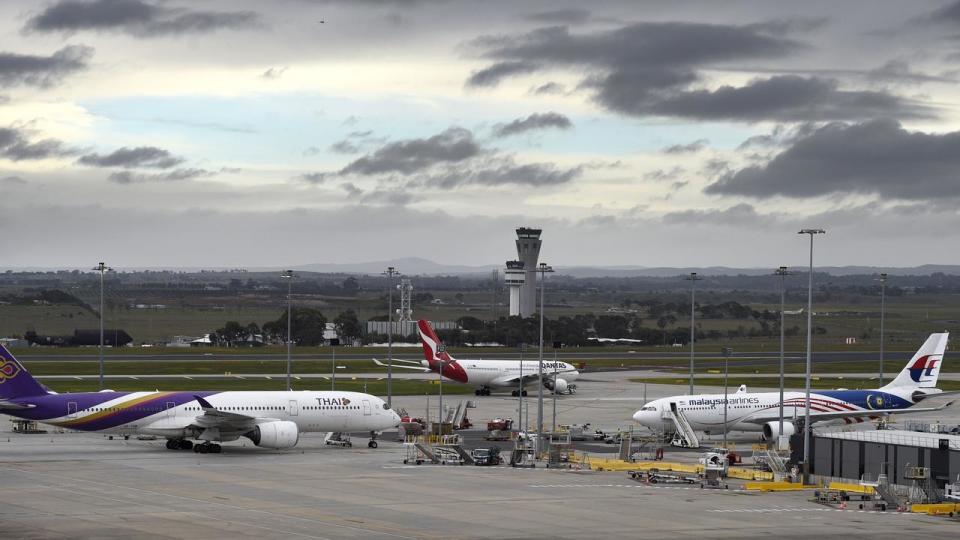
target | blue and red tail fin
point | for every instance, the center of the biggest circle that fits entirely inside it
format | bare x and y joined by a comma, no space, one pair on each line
433,349
15,380
923,369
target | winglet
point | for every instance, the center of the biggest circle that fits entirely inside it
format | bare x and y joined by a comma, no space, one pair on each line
203,403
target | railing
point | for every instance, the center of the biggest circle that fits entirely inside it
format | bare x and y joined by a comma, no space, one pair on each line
890,437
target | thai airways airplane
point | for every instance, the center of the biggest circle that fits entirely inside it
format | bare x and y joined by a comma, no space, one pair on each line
487,374
760,411
269,419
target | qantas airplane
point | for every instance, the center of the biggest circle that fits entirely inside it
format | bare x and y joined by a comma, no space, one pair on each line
269,419
487,374
760,411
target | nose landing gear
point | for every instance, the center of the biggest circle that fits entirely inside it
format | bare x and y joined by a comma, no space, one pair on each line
373,439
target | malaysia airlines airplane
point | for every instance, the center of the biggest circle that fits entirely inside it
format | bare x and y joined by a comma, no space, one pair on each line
269,419
487,374
760,411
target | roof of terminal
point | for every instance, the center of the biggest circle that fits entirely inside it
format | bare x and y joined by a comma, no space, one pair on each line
921,439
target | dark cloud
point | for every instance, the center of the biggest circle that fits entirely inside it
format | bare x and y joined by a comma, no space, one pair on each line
786,98
351,189
413,155
948,14
135,17
900,71
740,215
654,69
43,71
533,122
344,147
561,16
661,175
311,151
128,177
548,88
132,158
688,148
15,146
502,172
492,75
877,157
314,178
273,73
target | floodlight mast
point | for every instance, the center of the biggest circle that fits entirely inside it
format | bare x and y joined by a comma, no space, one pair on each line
390,272
288,275
883,312
103,269
806,414
544,269
783,273
693,279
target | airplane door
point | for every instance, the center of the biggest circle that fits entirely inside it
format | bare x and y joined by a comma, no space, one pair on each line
366,407
294,408
171,409
72,409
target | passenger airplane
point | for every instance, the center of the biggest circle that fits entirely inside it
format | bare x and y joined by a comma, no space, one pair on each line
487,374
269,419
760,411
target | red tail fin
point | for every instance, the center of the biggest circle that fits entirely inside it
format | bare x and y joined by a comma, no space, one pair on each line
433,350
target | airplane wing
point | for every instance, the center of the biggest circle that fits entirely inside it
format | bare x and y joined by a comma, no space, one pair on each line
770,415
222,420
401,366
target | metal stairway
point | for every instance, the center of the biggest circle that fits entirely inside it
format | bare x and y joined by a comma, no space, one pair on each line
685,436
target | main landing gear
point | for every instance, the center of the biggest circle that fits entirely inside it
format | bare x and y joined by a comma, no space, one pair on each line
207,448
482,391
515,393
179,444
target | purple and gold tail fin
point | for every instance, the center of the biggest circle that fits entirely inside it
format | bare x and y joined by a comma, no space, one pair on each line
15,380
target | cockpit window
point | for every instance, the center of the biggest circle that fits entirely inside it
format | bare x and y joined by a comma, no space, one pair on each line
386,407
648,409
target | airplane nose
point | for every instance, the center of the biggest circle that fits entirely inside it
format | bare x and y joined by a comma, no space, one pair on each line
396,418
637,416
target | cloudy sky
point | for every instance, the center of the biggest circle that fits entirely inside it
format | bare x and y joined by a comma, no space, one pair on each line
658,133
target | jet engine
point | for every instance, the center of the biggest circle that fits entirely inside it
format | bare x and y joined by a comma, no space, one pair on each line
279,434
771,430
558,386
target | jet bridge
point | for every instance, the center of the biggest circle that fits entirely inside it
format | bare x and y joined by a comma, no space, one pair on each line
685,435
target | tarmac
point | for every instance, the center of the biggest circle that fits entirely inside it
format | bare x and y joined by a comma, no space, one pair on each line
80,485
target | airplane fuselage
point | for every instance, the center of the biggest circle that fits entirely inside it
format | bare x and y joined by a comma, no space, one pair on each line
705,412
497,373
164,413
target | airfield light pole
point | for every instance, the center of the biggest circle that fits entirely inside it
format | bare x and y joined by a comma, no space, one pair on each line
693,279
288,275
103,269
390,272
883,311
544,269
783,273
806,414
520,390
727,351
440,350
553,425
333,368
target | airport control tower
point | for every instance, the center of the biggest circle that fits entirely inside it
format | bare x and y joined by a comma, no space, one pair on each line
514,277
528,252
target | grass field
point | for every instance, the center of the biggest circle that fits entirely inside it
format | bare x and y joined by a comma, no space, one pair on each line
793,383
377,388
